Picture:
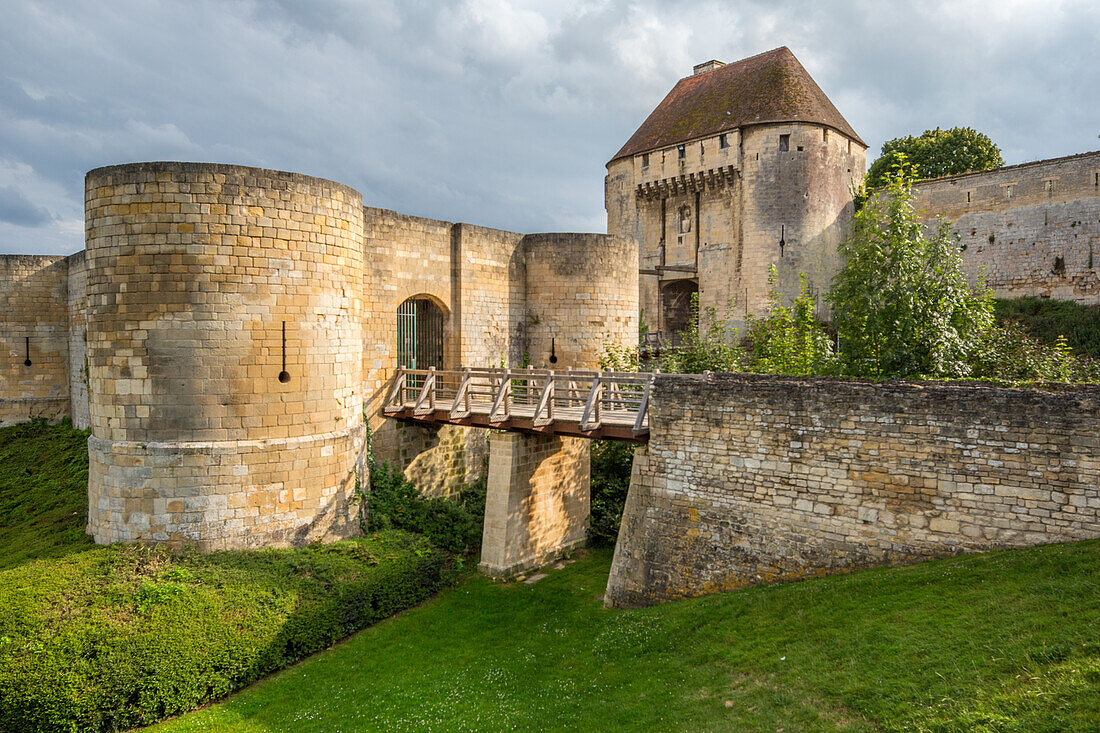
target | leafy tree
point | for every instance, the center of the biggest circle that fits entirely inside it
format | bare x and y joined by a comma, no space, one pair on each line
901,305
936,153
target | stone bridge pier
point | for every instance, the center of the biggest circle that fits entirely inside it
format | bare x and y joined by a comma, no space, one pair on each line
537,502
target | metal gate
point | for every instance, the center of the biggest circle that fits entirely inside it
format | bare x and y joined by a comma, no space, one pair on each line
419,334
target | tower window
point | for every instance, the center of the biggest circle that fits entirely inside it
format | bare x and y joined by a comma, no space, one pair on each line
645,160
723,141
681,152
849,147
784,143
824,134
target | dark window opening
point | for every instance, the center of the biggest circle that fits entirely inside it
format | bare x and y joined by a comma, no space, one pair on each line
784,143
968,197
676,307
849,147
645,160
800,148
824,134
723,143
419,334
681,152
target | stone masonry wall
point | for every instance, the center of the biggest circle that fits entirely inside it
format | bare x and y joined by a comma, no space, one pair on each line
204,283
34,307
1030,229
758,479
475,275
78,341
580,296
538,501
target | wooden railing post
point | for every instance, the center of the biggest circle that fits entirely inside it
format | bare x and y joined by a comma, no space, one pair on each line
590,418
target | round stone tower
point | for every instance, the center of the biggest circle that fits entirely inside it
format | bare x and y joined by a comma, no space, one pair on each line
224,354
581,295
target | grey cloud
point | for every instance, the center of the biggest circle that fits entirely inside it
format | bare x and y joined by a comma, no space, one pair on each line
16,209
498,112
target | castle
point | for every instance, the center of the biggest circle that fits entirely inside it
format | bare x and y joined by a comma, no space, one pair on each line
227,328
747,166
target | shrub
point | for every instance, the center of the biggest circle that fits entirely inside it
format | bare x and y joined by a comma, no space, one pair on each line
396,503
611,465
1046,319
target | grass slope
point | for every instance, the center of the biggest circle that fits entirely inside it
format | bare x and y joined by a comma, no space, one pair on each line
43,492
1047,319
1008,641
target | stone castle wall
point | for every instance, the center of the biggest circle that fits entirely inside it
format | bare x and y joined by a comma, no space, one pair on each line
577,298
34,307
1030,229
197,275
78,342
755,479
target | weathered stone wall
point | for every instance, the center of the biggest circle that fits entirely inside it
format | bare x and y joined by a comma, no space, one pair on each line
78,344
716,217
475,275
1031,229
756,479
34,308
800,197
193,271
538,501
580,296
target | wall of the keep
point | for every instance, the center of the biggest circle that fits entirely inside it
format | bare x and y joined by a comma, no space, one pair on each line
1030,229
204,283
802,197
755,479
34,309
717,215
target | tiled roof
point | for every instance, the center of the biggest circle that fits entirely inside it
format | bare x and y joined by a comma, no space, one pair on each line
769,87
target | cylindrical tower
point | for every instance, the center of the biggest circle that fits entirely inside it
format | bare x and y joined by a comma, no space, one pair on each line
582,294
224,352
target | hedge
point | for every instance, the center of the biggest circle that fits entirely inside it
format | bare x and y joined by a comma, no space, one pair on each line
112,638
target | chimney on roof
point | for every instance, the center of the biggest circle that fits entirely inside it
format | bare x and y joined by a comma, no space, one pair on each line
707,66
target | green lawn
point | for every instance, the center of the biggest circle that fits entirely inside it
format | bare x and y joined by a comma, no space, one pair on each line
1003,642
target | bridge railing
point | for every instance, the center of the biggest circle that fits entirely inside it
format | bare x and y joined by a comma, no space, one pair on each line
589,399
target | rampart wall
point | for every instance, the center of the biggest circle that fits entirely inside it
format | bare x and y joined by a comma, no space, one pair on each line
35,338
756,479
1031,229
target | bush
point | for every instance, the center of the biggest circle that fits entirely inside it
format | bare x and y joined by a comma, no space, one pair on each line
122,636
1045,319
395,503
611,465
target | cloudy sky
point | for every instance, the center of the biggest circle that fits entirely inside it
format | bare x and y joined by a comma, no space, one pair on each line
495,112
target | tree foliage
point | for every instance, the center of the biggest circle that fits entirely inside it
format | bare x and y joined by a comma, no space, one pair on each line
936,153
901,304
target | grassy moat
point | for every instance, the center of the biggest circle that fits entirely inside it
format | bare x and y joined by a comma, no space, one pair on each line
97,638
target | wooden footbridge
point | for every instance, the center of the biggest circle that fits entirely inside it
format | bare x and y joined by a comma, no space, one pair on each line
590,404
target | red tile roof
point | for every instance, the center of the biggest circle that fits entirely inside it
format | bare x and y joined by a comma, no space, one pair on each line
769,87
